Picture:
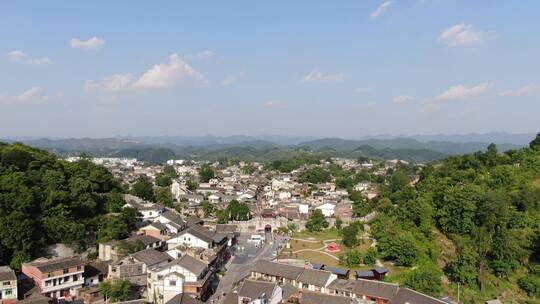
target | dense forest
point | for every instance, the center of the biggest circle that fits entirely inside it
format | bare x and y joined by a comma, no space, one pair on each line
472,219
45,201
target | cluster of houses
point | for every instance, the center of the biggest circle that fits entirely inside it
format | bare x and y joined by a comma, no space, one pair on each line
272,283
271,194
168,257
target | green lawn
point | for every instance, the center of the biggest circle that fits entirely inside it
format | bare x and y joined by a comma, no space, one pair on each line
329,234
316,257
319,257
299,245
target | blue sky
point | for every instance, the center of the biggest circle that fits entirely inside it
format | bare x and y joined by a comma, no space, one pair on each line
321,68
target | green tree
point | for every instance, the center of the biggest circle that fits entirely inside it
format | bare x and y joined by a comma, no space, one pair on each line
170,171
206,173
126,248
192,185
530,284
400,247
248,169
371,256
113,228
425,279
116,290
114,202
535,143
208,208
350,238
143,188
360,203
354,258
316,221
163,180
315,175
164,196
464,269
338,223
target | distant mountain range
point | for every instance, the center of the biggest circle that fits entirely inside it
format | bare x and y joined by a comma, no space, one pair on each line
416,149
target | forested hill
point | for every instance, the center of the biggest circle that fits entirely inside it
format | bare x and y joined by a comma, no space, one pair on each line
44,201
474,218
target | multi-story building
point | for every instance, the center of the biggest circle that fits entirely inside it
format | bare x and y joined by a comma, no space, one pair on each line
8,285
134,266
56,278
184,275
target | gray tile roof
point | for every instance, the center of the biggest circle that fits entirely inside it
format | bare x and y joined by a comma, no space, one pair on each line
278,269
145,239
288,290
256,289
192,264
151,257
158,225
405,295
317,298
7,274
314,277
173,217
199,231
56,264
366,287
96,268
197,267
183,298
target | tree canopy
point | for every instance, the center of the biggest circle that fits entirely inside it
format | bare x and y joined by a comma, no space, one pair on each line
44,201
317,221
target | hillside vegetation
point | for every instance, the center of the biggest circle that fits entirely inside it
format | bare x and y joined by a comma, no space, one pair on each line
44,201
474,219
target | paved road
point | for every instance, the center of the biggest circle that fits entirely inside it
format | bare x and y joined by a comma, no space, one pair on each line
241,265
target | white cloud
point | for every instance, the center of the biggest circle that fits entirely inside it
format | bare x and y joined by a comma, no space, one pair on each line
362,90
462,34
117,82
93,43
165,75
19,56
229,80
275,103
162,75
34,94
463,92
316,75
528,90
16,56
380,9
401,99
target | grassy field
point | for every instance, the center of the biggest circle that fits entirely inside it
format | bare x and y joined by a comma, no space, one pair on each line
329,234
320,256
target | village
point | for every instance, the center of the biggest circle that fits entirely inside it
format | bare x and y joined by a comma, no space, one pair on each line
282,245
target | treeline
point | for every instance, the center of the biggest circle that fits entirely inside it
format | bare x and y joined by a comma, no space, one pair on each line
487,204
45,201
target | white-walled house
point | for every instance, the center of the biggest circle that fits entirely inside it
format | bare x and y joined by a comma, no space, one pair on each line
8,285
327,209
172,220
303,208
259,292
184,275
195,236
149,211
362,186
